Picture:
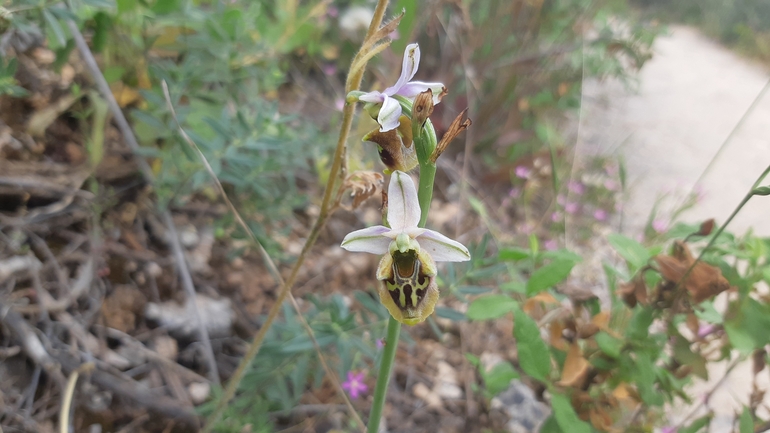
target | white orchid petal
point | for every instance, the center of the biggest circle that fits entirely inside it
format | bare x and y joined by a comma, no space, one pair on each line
441,248
409,67
389,115
403,205
368,240
373,96
414,88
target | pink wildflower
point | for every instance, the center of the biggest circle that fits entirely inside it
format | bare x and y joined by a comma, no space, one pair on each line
706,330
514,193
551,245
576,187
561,199
611,185
668,429
659,225
523,172
355,385
380,343
571,208
600,215
556,217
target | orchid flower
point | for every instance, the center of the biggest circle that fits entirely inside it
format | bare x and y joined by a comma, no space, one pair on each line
407,269
390,109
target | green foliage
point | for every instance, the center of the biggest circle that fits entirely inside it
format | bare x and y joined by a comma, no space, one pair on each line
490,307
287,364
8,84
534,356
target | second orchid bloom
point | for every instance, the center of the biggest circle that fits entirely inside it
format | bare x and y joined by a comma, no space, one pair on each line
407,271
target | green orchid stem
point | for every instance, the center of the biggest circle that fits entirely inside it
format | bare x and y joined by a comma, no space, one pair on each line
380,390
425,189
425,142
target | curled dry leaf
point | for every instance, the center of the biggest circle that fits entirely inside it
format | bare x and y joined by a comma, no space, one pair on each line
460,124
362,186
600,419
634,291
702,282
706,227
575,368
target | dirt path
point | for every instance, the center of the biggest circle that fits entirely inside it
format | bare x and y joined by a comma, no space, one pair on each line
688,99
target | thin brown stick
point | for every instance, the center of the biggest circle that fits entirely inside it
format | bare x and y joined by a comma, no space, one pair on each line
266,258
128,135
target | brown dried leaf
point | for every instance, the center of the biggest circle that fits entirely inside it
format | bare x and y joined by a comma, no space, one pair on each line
575,368
634,291
600,419
703,281
362,186
458,125
587,330
706,227
556,330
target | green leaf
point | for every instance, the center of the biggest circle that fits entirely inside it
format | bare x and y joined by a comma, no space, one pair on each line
56,28
534,357
548,276
608,344
451,314
746,424
490,307
499,377
635,254
566,417
697,425
708,313
514,286
514,254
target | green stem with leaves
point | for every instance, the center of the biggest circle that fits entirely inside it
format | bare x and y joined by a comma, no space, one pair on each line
425,142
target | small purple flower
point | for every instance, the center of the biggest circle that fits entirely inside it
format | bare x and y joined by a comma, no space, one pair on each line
527,228
611,169
556,217
668,429
551,245
355,385
332,11
561,199
611,185
514,193
600,215
571,208
329,69
339,104
659,225
380,343
706,330
576,187
523,172
389,108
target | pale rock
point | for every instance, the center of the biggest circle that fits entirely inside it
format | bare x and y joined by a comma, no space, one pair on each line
217,316
422,392
199,392
165,346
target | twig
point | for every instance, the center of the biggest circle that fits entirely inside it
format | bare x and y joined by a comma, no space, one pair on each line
69,392
31,344
708,395
130,139
131,390
267,259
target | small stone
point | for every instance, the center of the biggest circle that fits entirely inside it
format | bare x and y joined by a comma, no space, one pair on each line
199,392
188,236
422,392
153,269
165,346
237,263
